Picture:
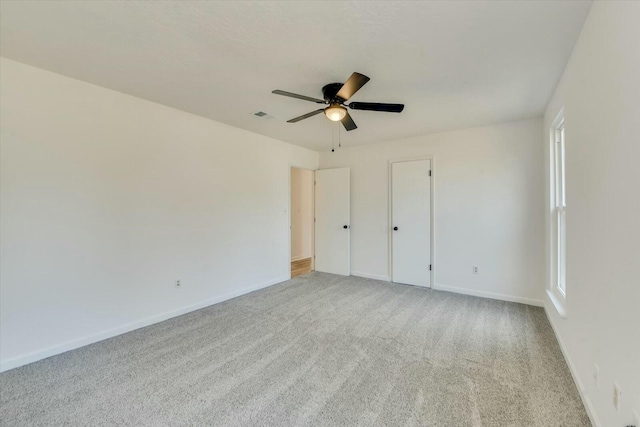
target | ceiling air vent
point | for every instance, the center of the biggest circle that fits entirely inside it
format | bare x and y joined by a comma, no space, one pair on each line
262,115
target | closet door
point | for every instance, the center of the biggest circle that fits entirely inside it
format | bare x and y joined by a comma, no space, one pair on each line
411,222
332,221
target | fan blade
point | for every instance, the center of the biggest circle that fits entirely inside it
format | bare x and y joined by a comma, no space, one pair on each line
376,106
305,116
351,86
348,122
295,95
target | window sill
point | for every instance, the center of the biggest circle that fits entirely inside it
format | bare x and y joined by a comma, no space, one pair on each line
558,303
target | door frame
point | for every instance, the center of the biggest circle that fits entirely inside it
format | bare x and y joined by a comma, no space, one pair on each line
313,211
431,209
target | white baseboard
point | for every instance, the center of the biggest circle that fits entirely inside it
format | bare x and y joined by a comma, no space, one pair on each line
81,342
491,295
574,374
371,276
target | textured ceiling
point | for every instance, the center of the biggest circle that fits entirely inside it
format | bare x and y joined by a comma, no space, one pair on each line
453,64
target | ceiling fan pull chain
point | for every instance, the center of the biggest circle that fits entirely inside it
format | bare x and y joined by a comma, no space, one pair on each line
333,140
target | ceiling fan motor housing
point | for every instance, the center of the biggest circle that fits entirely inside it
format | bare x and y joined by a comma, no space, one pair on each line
330,91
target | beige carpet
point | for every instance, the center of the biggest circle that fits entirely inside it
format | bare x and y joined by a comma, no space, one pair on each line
316,350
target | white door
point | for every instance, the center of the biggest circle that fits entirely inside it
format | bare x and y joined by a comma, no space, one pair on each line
411,222
332,221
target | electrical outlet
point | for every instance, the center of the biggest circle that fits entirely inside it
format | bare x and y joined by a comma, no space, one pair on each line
475,269
178,283
596,376
617,396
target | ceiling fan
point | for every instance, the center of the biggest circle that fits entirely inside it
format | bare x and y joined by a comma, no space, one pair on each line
335,96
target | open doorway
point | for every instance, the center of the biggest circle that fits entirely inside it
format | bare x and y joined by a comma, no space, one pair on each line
302,243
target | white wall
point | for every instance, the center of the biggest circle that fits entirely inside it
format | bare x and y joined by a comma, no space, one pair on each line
600,92
301,213
107,200
489,206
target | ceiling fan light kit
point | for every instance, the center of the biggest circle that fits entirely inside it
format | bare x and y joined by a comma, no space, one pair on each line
335,112
335,95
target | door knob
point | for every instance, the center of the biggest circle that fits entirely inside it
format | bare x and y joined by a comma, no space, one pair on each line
345,226
395,228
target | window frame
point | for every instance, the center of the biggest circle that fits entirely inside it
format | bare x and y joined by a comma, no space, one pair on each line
558,285
561,209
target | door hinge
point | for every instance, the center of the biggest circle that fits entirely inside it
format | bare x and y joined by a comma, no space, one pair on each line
314,182
429,173
429,267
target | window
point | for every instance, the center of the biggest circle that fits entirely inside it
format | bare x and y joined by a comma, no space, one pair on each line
560,206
